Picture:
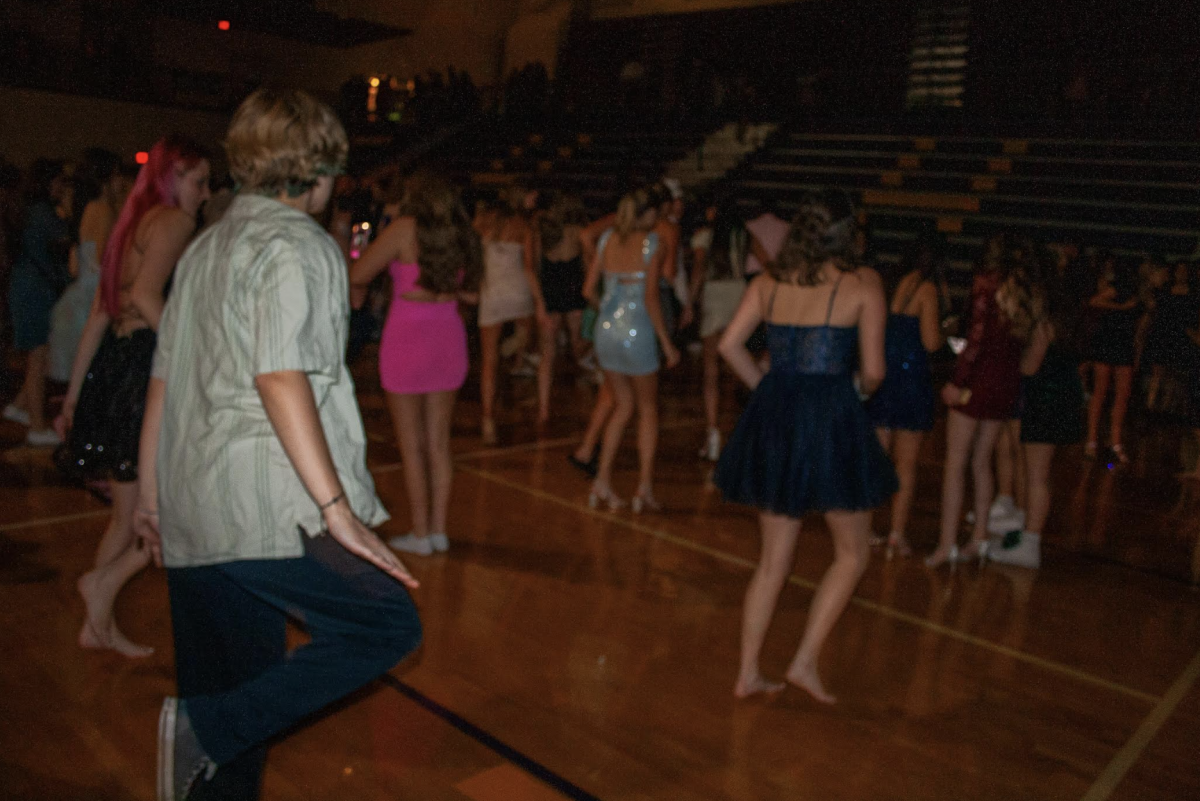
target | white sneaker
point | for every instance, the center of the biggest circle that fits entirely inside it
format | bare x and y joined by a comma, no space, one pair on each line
1025,552
440,542
411,543
1000,510
1001,507
1002,524
46,438
712,447
16,414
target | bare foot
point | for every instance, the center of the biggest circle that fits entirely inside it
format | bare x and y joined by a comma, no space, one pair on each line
126,647
807,679
100,631
754,686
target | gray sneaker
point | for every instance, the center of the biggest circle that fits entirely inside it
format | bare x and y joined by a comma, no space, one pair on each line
411,543
182,763
1018,548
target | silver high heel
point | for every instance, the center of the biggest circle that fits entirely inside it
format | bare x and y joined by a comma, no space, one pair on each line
645,502
607,497
897,545
982,551
951,558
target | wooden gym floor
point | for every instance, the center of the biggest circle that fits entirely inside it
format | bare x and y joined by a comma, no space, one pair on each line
579,654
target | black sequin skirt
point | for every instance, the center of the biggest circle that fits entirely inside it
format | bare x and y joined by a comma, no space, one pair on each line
107,429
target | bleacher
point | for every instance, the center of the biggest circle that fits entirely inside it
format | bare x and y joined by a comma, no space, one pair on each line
596,162
1125,196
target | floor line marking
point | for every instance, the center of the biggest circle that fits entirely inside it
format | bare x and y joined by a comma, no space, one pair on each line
1107,782
494,744
50,521
723,556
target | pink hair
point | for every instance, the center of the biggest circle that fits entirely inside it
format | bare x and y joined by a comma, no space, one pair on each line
155,186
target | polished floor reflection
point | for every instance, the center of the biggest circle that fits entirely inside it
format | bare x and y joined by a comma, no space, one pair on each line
579,654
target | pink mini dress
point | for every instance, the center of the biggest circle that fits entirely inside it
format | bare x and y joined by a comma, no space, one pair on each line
424,345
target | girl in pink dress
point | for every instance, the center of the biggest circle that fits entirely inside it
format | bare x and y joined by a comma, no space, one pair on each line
434,259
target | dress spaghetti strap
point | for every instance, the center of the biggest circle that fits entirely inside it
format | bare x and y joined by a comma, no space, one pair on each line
771,303
832,297
908,301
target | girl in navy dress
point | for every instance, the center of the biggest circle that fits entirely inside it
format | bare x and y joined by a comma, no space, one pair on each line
1113,352
902,409
804,443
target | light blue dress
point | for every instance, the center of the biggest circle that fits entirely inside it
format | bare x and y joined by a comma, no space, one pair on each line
71,311
625,340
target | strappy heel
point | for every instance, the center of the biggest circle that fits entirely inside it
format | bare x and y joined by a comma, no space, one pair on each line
950,558
978,550
645,502
604,496
897,545
894,544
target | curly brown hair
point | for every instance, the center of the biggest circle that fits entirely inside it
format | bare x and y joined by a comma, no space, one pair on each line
821,232
449,253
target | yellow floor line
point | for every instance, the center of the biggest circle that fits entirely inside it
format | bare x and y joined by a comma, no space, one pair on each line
723,556
1108,781
50,521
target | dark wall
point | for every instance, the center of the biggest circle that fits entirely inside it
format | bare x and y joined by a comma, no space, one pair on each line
1112,61
1099,59
820,52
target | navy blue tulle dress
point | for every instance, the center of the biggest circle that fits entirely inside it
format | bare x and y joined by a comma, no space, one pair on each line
804,443
904,402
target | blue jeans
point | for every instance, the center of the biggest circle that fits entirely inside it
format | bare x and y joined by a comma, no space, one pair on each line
240,685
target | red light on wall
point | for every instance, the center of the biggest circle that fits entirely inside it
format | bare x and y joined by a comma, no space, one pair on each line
141,157
223,25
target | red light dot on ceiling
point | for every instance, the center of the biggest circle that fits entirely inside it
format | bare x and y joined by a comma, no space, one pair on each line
142,157
223,25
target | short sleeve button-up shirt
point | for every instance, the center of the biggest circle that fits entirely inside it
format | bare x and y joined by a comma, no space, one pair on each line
264,290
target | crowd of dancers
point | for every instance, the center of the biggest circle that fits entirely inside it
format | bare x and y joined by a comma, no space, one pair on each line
246,364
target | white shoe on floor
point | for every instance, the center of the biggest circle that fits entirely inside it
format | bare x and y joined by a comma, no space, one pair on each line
1002,524
46,438
411,543
712,446
16,414
1025,552
440,542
